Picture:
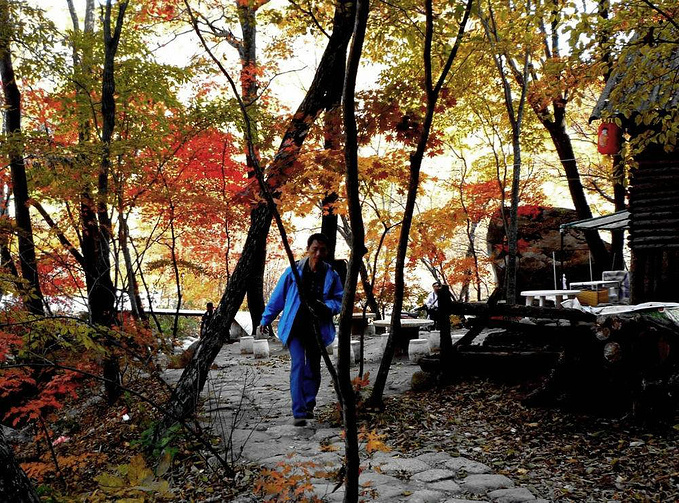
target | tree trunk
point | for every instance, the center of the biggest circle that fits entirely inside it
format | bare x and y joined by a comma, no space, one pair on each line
515,117
357,251
617,236
29,270
255,287
329,220
247,50
564,147
6,260
370,299
432,93
366,281
132,285
329,223
444,328
100,289
512,235
175,271
96,221
14,484
331,68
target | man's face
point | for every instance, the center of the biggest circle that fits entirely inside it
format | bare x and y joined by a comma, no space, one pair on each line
316,252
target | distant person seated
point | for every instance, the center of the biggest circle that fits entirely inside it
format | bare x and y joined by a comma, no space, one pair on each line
205,319
431,304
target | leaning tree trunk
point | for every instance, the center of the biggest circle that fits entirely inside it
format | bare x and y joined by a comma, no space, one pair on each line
14,484
29,270
183,401
185,396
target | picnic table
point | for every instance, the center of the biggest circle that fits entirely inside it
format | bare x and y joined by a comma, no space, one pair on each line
410,328
542,295
359,322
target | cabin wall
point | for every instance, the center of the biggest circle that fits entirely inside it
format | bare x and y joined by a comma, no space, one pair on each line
654,227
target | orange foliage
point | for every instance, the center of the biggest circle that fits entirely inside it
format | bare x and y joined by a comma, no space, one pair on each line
288,482
48,399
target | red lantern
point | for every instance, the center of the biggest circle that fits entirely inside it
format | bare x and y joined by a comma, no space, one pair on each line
610,138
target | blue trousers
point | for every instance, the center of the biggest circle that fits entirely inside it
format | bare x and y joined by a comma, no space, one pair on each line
305,374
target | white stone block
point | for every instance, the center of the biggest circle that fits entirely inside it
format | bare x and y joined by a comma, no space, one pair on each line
260,347
417,349
353,358
246,344
434,338
383,341
355,351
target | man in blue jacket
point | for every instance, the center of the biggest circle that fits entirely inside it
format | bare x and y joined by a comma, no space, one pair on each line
323,290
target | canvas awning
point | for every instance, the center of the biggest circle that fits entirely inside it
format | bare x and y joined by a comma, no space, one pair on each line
614,221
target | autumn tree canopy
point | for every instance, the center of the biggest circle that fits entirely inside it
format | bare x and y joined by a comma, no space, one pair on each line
141,136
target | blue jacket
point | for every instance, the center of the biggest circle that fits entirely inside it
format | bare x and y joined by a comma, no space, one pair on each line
285,298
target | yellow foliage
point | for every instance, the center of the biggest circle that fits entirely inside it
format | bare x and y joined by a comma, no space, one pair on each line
133,482
373,441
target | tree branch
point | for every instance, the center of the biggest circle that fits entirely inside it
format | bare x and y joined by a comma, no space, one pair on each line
60,235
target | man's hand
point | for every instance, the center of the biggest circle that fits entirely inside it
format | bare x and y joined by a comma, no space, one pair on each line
321,310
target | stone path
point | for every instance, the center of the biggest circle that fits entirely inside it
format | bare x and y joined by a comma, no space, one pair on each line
248,403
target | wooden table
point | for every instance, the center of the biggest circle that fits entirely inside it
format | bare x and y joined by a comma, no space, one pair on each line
410,328
598,291
542,295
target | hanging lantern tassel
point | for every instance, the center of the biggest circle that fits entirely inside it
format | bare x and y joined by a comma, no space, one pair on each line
610,138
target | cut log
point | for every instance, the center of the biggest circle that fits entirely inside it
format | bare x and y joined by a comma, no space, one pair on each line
629,365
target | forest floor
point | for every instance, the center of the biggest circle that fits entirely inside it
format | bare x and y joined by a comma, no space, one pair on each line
559,455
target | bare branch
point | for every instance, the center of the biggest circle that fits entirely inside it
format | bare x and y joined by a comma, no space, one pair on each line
309,13
60,235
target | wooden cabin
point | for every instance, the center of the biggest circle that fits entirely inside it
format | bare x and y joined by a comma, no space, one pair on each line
644,102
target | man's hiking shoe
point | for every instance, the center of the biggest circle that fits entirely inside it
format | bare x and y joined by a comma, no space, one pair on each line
299,421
